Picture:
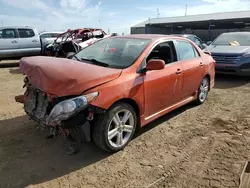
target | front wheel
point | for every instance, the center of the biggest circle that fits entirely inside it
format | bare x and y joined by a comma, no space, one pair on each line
113,130
203,91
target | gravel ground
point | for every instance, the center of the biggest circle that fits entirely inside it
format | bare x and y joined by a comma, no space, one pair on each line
194,146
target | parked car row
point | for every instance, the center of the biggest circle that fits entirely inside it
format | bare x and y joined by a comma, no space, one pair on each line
18,42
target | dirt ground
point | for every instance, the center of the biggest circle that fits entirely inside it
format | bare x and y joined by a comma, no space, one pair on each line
194,146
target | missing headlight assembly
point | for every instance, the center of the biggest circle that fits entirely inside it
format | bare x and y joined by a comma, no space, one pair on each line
69,116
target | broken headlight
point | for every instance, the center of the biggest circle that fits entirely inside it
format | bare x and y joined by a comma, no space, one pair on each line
67,108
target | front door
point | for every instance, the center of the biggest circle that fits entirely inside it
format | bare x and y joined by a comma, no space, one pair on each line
162,87
29,42
192,67
9,46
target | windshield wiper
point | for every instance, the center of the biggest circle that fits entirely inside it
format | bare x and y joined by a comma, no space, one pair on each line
96,62
74,56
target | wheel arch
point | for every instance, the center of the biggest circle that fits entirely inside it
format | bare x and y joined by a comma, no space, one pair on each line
209,79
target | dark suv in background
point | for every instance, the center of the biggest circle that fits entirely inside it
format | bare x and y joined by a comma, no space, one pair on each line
231,51
193,38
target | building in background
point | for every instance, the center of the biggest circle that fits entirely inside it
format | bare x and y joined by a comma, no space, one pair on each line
205,26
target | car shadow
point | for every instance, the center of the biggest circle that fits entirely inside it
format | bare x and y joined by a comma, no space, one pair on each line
9,63
165,118
26,157
15,71
230,81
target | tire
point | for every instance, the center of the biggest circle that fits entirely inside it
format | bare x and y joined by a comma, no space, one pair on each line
102,124
203,91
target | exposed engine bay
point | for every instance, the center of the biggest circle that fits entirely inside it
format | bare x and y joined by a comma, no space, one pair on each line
40,107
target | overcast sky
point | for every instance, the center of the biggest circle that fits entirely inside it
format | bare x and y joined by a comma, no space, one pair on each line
118,16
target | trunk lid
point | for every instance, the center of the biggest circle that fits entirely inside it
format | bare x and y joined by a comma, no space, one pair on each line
64,77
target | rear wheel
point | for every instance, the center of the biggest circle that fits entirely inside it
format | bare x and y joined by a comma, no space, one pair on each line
113,130
203,91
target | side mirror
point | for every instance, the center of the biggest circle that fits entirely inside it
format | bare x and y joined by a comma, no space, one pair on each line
155,64
209,42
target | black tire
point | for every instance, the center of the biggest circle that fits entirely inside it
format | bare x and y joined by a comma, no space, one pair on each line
101,124
198,100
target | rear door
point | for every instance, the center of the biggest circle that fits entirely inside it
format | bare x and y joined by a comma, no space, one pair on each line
9,46
29,41
192,65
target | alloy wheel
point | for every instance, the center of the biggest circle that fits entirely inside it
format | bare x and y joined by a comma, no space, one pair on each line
203,90
120,128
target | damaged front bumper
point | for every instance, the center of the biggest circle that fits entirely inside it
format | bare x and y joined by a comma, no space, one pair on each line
50,112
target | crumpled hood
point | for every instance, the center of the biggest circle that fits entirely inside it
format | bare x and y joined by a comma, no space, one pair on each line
228,49
64,77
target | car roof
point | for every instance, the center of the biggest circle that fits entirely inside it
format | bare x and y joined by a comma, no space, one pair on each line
15,27
45,32
245,32
184,35
149,36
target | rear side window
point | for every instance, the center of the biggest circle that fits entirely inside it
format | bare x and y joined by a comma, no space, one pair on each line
197,41
26,33
46,35
54,35
7,33
186,50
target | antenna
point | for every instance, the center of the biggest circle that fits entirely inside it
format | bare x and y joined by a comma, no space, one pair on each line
1,23
186,10
158,13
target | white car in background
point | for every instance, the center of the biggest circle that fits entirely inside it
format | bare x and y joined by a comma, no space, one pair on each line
16,42
48,38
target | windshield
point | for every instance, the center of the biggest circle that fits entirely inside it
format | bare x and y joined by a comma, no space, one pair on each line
233,39
113,52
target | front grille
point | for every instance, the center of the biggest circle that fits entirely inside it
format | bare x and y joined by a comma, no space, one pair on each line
37,104
226,59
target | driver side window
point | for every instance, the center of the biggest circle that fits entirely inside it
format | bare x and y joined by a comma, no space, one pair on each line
7,33
164,51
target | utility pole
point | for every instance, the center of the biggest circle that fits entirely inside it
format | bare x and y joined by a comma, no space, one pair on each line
186,10
108,31
158,13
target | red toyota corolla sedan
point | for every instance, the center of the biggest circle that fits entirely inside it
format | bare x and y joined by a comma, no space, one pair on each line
107,90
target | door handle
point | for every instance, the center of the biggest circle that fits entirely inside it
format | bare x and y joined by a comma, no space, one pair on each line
34,40
178,71
201,64
14,41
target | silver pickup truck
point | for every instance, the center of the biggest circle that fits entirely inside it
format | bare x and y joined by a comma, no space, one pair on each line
20,41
